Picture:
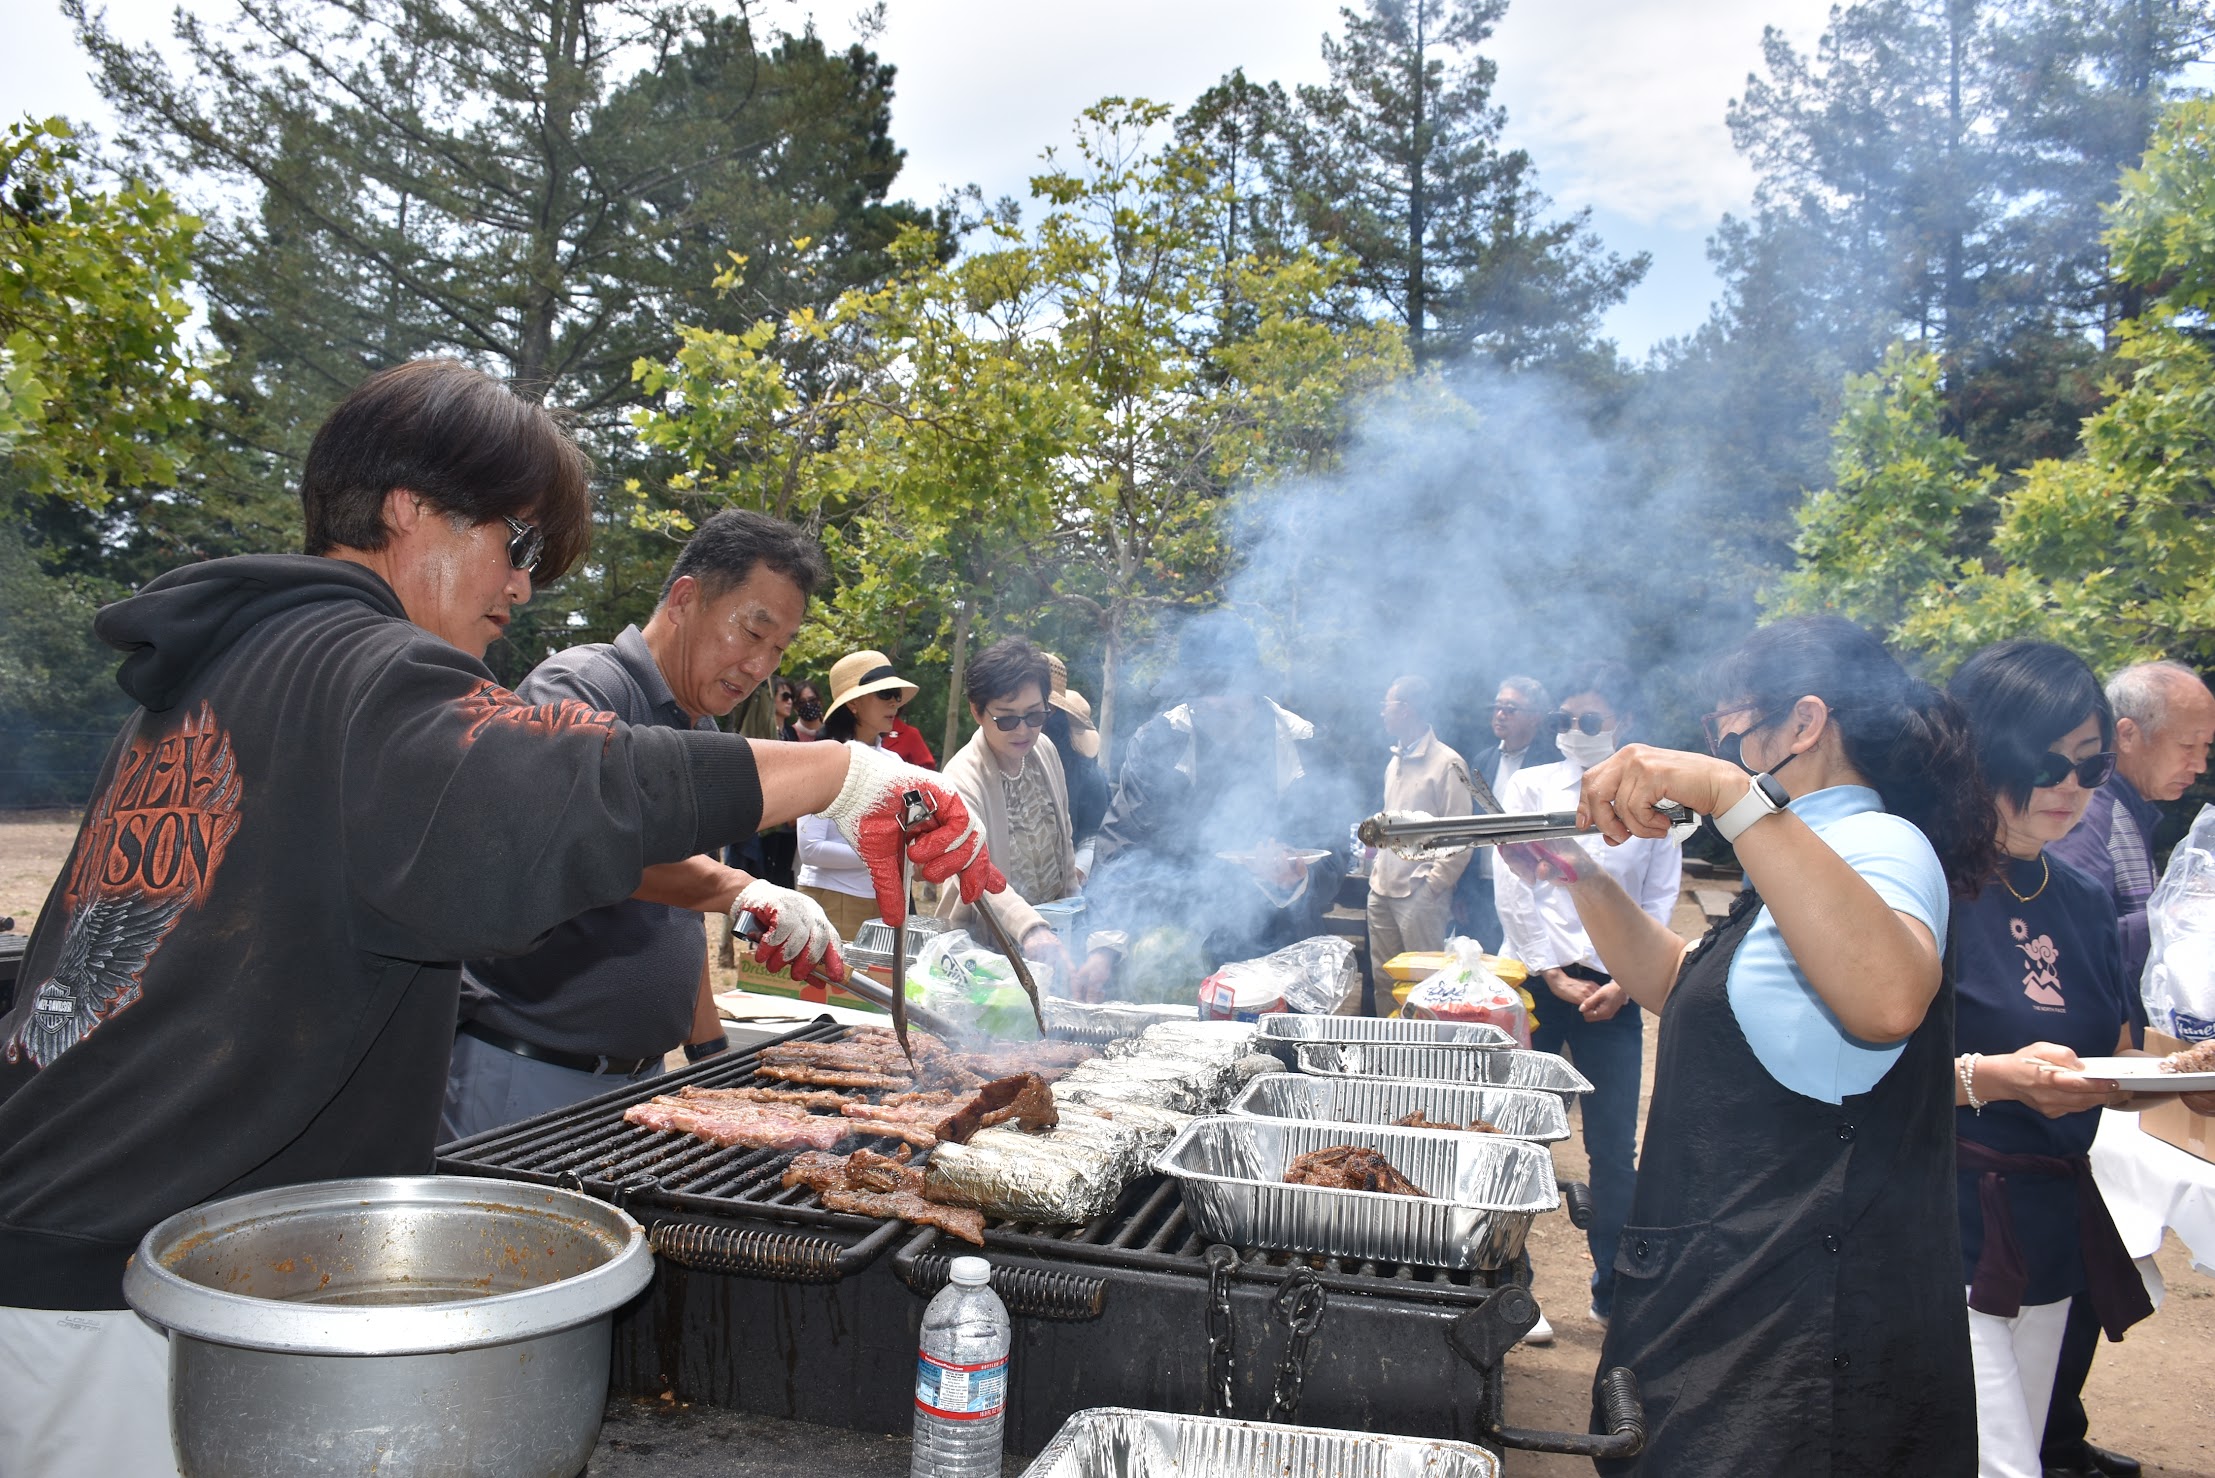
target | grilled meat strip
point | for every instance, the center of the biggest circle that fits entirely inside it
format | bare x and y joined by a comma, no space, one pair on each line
822,1100
759,1126
869,1184
1417,1120
925,1119
1350,1167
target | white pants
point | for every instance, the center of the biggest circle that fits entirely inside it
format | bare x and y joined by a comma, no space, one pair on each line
2015,1360
86,1395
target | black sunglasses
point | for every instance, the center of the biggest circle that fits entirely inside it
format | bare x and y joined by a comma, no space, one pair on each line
1007,723
1584,723
2091,773
1511,708
525,544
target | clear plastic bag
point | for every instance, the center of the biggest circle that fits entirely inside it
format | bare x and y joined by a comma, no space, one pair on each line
2179,984
1467,990
959,979
1314,977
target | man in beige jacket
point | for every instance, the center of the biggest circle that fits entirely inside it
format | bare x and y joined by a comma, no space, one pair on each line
1409,901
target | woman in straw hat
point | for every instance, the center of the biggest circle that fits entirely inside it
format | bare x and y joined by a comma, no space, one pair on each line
1077,740
866,696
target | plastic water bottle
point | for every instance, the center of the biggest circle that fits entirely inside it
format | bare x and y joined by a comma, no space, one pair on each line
961,1378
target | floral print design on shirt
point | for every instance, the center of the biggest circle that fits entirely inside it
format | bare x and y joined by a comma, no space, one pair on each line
2041,982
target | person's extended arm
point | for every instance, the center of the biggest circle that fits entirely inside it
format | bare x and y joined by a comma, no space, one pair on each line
1877,969
699,883
707,1022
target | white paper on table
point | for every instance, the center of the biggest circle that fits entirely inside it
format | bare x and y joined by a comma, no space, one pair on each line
2149,1186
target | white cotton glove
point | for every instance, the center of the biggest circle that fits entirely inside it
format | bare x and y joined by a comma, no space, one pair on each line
950,844
790,932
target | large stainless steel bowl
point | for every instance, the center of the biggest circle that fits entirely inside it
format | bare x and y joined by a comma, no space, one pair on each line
401,1326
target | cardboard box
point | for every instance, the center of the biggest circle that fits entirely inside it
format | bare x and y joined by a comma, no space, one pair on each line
2171,1122
752,977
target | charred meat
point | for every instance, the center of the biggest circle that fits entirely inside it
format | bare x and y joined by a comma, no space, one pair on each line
1418,1120
1350,1167
757,1126
2195,1059
926,1119
868,1184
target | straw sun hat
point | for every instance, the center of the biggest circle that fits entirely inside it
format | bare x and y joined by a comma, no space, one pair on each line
857,673
1084,735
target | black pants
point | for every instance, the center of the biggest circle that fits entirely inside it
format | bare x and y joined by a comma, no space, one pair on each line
2066,1424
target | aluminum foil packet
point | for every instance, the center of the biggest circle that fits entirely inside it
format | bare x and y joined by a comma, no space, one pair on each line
1186,1085
1070,1173
1226,1040
1106,1021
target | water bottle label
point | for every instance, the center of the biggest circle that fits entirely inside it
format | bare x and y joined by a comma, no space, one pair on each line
961,1393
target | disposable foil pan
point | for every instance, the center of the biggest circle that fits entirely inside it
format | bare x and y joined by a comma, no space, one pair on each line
1518,1113
1482,1192
1284,1031
1116,1442
1508,1069
1104,1021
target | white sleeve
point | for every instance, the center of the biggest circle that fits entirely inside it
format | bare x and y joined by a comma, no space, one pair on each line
823,845
1664,880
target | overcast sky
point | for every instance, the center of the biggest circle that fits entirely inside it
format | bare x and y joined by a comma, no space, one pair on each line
1620,102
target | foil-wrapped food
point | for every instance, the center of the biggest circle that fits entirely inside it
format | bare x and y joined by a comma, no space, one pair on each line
1070,1173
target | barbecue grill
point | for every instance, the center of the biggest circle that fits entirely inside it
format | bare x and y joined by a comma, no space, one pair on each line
766,1301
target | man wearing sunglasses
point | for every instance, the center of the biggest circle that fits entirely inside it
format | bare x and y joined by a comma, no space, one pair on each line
1519,741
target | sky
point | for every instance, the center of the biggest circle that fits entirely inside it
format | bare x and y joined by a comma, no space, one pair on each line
1619,102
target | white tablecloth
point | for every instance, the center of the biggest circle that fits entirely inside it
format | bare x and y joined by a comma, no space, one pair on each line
2151,1185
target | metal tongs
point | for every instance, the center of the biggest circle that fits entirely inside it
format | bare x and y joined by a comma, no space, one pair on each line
916,811
1416,834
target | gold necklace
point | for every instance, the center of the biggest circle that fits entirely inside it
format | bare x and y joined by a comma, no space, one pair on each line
2033,893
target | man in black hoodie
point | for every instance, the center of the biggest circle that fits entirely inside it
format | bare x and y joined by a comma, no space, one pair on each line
246,975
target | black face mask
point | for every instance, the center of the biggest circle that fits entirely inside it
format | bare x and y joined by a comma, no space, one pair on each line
1732,745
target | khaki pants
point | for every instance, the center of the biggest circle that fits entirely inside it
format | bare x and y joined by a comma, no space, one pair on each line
1397,925
847,913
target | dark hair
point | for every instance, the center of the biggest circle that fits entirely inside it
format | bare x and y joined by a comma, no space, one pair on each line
1004,669
787,688
1908,739
467,443
841,725
1415,692
1611,680
2020,697
723,551
1217,656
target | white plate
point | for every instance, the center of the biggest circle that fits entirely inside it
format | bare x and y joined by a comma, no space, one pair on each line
1302,855
2144,1074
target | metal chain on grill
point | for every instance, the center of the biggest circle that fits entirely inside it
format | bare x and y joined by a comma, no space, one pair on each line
1220,1261
1298,1306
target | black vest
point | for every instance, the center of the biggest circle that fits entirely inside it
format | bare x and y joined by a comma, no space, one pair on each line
1789,1284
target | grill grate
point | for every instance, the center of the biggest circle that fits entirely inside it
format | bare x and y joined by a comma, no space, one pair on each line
589,1147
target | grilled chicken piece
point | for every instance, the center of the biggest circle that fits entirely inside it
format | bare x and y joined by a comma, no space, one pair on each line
1350,1167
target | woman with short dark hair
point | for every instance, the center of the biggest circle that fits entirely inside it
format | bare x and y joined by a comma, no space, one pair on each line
1011,777
2041,985
1786,1283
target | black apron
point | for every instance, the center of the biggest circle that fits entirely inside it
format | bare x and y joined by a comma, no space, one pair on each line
1789,1285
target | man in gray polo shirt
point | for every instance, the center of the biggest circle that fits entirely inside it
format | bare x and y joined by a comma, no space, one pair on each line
606,995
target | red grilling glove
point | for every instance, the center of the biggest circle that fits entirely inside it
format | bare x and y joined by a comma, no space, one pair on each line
947,845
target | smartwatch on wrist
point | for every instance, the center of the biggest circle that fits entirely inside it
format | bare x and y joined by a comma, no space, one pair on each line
1765,797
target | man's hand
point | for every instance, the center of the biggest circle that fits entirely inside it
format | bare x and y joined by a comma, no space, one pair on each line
795,935
1044,945
1568,987
1090,983
1603,1002
947,844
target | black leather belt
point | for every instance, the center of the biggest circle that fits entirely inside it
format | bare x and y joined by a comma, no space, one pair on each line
577,1062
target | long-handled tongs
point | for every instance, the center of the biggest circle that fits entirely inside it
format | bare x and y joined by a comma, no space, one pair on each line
990,912
916,811
1416,834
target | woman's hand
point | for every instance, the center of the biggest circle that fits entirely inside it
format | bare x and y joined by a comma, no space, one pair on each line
1044,945
2200,1103
1090,983
1566,986
1619,793
1603,1002
2046,1076
1538,862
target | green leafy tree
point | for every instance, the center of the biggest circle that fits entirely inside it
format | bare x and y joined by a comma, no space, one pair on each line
95,377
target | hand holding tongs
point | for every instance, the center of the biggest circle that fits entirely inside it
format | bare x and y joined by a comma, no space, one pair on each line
916,811
1418,834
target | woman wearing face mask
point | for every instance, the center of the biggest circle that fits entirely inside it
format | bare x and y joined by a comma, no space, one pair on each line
866,695
1788,1281
2041,983
1586,1017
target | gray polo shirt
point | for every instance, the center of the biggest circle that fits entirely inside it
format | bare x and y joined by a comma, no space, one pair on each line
620,980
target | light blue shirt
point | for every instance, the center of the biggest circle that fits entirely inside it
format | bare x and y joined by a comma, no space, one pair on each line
1796,1037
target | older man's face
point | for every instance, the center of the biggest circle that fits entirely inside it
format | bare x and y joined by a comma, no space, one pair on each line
1515,719
2164,762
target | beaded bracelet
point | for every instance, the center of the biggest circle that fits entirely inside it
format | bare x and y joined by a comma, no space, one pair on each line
1965,1066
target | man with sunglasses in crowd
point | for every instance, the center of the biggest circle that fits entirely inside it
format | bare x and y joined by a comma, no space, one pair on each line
1519,741
247,974
609,993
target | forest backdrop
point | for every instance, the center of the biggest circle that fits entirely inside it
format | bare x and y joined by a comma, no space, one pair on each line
1957,383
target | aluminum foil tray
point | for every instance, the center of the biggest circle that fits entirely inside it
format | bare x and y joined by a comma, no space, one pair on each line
1509,1069
873,940
1520,1113
1104,1021
1282,1032
1483,1192
1116,1442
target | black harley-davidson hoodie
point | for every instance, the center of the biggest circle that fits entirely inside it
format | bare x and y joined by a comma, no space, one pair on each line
246,975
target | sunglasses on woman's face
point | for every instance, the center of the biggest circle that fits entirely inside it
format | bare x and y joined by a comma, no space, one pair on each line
2091,773
525,544
1008,723
1562,721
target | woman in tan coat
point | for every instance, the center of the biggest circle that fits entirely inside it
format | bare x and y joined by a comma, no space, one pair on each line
1010,777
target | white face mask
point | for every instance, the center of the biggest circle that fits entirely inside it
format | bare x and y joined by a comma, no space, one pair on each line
1587,749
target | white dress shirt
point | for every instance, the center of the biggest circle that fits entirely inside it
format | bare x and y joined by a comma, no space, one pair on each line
1541,923
1509,764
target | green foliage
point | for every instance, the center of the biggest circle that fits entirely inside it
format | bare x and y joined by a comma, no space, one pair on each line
94,376
2111,552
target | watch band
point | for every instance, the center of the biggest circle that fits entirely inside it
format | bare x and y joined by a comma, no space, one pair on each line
1765,797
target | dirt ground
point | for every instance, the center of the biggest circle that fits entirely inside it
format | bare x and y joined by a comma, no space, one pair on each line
2152,1396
